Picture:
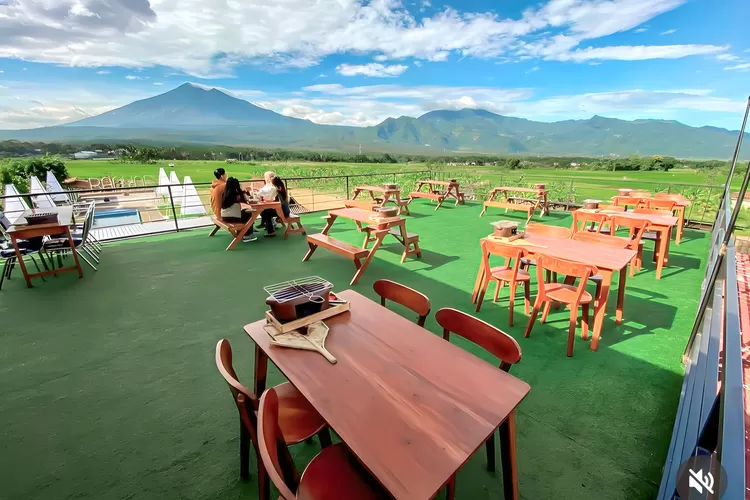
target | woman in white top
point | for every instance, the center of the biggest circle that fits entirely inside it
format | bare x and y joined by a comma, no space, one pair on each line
268,193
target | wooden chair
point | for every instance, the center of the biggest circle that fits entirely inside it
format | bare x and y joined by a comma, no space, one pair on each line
582,219
607,229
655,235
569,295
332,474
637,228
407,297
491,339
668,196
640,194
630,201
544,230
612,208
298,419
509,273
600,239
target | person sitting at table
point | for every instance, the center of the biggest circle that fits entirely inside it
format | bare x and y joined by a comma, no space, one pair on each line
231,208
282,195
267,193
218,186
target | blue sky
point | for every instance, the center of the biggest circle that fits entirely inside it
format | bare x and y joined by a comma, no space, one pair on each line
352,62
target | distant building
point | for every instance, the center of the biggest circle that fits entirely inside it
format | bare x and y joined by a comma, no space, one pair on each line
84,155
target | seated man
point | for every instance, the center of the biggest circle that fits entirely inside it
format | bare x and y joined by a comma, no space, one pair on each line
218,186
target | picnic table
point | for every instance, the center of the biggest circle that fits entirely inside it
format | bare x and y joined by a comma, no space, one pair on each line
381,227
680,203
412,420
539,201
239,229
660,224
22,230
451,190
607,260
392,195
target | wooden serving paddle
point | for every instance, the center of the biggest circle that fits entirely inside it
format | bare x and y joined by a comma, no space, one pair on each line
314,340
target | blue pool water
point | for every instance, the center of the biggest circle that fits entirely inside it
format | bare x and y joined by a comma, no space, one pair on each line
116,217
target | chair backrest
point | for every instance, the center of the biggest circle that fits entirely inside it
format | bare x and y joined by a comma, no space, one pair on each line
613,208
662,204
224,365
581,219
653,211
511,253
669,196
545,230
601,239
272,447
4,222
640,194
566,267
629,201
492,339
407,297
637,227
88,223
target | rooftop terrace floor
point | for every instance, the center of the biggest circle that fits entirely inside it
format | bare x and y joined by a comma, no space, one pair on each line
110,390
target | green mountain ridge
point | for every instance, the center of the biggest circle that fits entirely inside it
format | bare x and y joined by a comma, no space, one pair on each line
194,114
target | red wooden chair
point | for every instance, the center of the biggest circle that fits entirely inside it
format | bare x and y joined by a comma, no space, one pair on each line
297,418
407,297
665,212
544,230
630,201
600,239
662,204
606,229
569,295
582,219
509,273
491,339
637,228
333,474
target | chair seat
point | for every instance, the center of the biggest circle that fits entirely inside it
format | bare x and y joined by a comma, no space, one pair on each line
597,278
298,419
505,273
61,243
334,473
650,235
7,253
560,292
528,262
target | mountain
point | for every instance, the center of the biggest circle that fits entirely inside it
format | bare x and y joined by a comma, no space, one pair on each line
195,114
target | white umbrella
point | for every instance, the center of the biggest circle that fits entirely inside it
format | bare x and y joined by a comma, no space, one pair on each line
39,196
162,189
176,188
191,202
54,186
14,206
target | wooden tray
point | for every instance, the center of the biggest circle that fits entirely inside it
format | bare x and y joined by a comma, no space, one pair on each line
299,323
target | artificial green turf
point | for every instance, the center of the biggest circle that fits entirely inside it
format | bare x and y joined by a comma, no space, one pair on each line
109,387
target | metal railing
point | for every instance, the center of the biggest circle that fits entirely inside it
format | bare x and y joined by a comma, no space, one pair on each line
711,412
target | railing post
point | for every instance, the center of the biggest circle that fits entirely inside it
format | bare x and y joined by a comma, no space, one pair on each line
347,187
174,212
669,188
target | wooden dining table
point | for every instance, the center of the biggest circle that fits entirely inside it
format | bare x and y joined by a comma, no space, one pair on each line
412,407
22,230
392,195
660,224
607,260
680,204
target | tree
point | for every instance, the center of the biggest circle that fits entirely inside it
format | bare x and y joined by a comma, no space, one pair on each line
17,172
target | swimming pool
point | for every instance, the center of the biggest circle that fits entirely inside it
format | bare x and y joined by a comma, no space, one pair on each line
116,217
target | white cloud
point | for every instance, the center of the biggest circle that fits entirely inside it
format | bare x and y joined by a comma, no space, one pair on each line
103,72
535,68
158,83
668,32
739,67
322,75
133,77
209,38
372,69
641,30
426,3
727,57
637,52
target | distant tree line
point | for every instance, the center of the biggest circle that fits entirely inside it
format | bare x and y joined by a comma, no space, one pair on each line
140,153
17,171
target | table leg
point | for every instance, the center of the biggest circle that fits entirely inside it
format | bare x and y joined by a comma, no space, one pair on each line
621,295
477,284
508,457
680,224
379,236
261,367
663,246
356,193
19,258
601,309
74,252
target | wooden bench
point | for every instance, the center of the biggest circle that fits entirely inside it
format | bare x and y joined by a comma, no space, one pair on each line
411,244
529,209
430,196
293,225
236,229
